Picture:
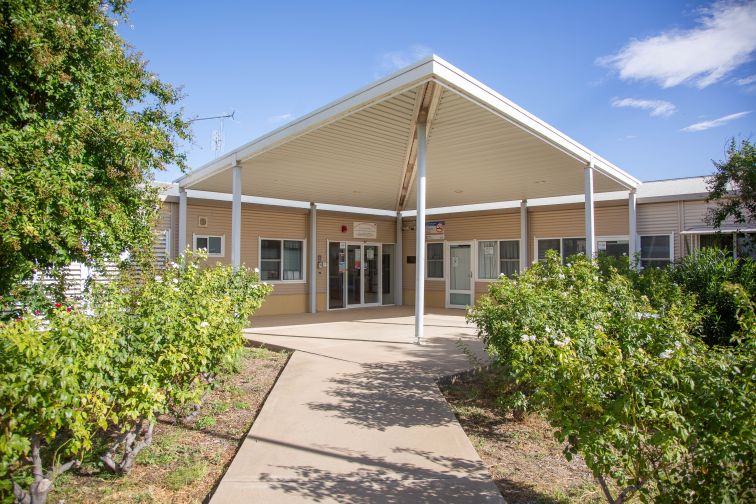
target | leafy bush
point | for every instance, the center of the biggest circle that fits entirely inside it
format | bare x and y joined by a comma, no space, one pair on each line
627,384
145,346
704,276
53,396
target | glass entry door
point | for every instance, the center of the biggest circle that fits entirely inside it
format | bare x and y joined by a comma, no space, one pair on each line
459,283
354,274
371,275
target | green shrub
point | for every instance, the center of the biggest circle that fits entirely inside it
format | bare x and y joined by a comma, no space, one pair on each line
146,345
706,274
53,397
627,384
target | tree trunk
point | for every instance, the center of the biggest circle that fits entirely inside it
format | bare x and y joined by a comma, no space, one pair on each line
42,484
133,441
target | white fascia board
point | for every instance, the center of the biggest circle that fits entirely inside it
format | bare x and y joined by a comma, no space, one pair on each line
394,84
457,80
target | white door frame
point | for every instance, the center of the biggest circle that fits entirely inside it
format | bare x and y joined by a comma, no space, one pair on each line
447,273
362,303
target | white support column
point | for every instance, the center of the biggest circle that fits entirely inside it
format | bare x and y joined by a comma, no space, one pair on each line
632,230
398,263
182,221
313,258
420,236
236,178
590,233
523,235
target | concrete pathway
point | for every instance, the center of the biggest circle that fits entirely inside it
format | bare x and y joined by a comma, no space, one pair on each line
356,416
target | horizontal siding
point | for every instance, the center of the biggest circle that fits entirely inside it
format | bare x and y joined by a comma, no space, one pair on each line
660,219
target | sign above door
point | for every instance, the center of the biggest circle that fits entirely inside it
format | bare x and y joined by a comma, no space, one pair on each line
365,230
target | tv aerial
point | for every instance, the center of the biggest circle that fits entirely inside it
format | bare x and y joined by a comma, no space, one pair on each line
217,138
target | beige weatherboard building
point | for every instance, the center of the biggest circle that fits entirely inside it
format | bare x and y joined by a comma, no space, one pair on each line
419,189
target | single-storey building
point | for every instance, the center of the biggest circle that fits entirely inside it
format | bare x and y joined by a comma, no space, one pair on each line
419,189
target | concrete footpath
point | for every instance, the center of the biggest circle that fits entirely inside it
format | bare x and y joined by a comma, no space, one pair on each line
356,416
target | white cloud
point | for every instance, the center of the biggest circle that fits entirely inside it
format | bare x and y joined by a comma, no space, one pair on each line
745,81
724,38
280,118
658,108
704,125
392,61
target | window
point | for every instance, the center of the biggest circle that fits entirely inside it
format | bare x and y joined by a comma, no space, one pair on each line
212,244
656,251
546,244
572,246
717,240
745,245
282,260
498,257
613,248
435,260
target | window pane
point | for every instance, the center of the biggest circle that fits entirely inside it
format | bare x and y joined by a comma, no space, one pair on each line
509,249
573,246
435,251
655,247
270,249
201,243
435,261
214,245
547,244
717,240
270,269
292,260
435,269
509,267
614,248
654,263
487,260
747,245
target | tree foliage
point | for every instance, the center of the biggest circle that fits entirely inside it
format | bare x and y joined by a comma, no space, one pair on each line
733,185
83,125
626,383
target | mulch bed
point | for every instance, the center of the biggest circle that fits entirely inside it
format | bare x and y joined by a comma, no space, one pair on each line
184,462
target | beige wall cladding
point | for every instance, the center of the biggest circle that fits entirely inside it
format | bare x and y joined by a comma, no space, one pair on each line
329,229
661,218
503,225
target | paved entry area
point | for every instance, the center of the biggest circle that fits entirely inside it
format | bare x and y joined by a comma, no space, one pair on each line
356,416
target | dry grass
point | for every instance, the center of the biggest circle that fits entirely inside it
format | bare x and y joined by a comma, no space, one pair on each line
184,463
524,459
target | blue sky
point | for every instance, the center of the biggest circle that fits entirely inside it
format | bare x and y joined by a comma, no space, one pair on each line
655,87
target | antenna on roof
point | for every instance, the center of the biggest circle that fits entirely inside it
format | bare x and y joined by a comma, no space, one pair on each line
217,138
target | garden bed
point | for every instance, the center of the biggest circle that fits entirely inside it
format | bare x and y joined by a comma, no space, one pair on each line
185,462
524,459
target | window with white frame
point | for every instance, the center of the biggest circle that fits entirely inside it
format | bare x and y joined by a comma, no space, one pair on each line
281,260
613,247
543,245
498,257
655,250
434,259
214,245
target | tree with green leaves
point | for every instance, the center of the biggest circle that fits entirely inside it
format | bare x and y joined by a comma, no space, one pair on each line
83,126
733,185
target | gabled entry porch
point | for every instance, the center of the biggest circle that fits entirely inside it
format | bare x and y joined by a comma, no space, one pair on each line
429,136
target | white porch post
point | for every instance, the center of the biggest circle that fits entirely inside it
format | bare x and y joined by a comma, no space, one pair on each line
590,234
632,228
236,216
313,258
420,236
523,235
182,221
398,263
